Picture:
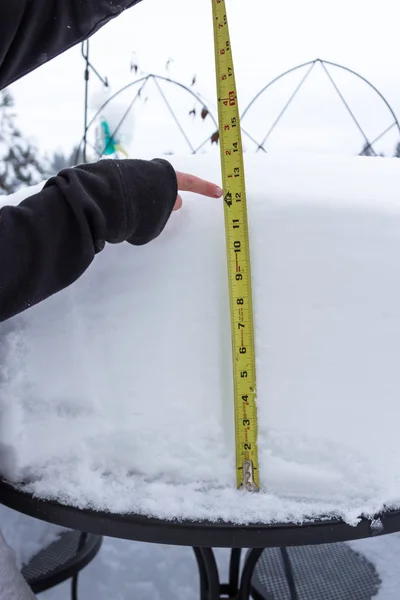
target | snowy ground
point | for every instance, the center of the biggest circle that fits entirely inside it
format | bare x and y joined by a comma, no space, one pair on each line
128,570
125,570
131,571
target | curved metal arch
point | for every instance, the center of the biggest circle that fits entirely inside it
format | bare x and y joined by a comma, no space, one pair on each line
144,79
269,84
311,64
326,62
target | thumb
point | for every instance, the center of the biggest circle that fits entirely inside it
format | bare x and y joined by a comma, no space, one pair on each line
178,203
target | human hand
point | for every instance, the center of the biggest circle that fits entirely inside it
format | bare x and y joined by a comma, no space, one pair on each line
191,183
155,187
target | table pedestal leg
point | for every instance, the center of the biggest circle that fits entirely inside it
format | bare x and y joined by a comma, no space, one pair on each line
210,586
247,573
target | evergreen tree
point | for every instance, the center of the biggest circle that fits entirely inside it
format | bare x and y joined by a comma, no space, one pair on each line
19,162
61,161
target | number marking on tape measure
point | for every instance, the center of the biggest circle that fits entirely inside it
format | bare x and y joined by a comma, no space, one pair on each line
238,254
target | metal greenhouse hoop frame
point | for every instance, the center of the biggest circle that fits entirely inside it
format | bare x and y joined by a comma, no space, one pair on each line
143,81
311,64
368,148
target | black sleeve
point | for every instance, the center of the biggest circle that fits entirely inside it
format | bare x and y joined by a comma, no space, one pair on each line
49,240
34,31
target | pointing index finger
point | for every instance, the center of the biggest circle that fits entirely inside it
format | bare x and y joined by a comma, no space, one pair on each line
191,183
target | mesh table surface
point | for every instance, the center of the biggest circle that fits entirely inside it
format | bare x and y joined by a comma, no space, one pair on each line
324,572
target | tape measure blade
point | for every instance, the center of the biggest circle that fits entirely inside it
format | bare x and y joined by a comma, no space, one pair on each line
238,255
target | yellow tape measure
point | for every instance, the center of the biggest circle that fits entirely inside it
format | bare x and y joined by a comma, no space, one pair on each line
238,253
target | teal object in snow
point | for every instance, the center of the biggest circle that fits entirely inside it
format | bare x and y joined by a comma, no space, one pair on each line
110,145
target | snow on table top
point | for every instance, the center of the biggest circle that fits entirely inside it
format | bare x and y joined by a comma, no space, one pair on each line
116,393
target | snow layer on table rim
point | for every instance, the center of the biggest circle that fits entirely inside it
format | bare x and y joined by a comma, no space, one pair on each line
116,393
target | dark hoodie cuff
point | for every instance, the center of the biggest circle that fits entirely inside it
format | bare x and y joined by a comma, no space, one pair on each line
151,189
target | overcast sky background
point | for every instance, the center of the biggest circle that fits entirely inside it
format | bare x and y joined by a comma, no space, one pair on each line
267,38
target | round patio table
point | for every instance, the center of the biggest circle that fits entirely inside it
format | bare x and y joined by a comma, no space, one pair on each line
202,536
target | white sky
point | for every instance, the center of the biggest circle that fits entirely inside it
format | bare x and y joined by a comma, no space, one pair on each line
267,38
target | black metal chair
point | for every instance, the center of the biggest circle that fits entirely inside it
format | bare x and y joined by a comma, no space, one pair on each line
322,572
62,560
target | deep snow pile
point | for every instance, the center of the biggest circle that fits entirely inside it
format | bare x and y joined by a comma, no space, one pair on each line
117,392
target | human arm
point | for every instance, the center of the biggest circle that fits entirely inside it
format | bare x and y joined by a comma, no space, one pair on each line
49,239
33,32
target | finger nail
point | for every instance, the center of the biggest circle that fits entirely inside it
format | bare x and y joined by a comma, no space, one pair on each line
218,192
